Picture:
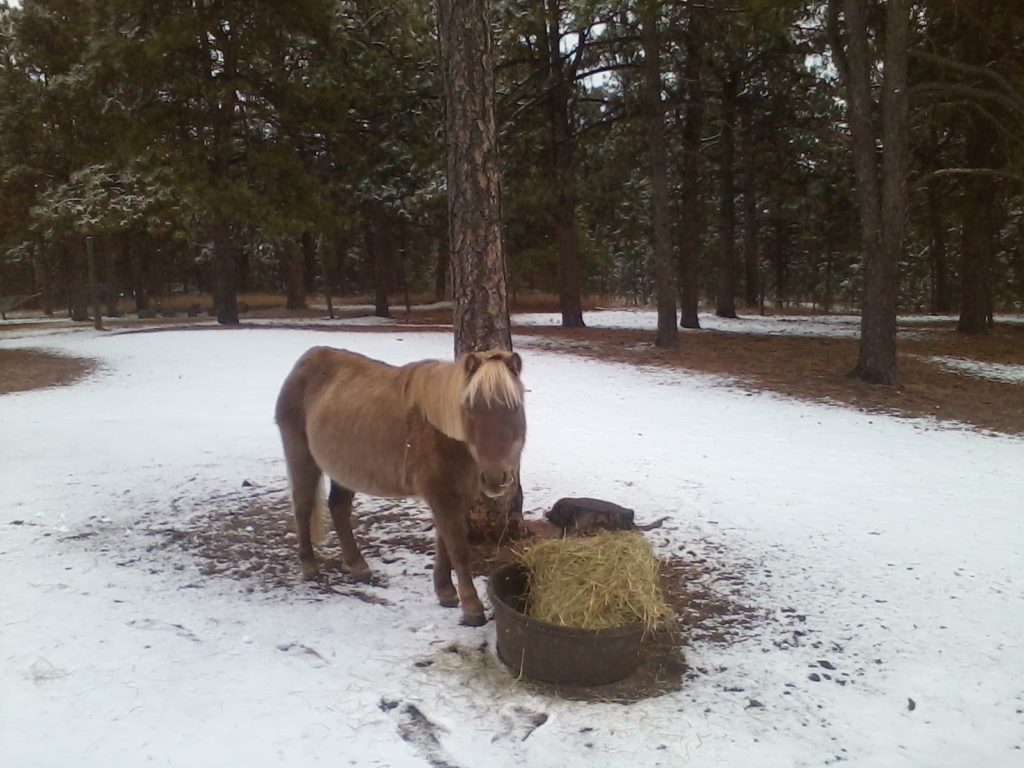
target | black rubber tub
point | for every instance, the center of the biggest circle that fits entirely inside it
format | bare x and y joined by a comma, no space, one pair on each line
554,654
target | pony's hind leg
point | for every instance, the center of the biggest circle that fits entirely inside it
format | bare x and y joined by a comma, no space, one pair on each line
339,502
307,496
305,480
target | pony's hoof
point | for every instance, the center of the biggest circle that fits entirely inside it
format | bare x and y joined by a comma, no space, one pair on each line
363,577
448,598
473,619
310,573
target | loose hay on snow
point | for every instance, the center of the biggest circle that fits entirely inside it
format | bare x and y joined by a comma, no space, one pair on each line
595,582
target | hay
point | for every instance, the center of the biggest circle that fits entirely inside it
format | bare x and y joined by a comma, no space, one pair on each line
596,582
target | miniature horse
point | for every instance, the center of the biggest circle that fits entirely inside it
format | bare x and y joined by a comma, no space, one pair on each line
442,432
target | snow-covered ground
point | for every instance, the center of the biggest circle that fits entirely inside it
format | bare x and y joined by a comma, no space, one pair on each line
896,544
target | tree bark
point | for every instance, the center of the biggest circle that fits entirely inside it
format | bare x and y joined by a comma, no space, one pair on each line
225,276
977,230
726,300
41,269
565,232
94,284
881,236
479,279
751,281
480,285
295,274
661,237
321,254
77,278
112,283
689,202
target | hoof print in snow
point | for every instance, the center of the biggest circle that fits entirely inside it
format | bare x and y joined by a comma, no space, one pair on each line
422,733
305,653
519,725
154,624
911,705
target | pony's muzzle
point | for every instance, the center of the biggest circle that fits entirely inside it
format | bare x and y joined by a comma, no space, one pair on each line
496,485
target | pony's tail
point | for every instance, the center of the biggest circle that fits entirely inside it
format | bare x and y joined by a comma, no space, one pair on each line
320,520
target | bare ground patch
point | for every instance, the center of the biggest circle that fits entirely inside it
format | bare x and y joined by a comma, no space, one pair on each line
25,369
247,537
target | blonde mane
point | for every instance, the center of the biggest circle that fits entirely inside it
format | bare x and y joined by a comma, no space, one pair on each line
494,383
440,390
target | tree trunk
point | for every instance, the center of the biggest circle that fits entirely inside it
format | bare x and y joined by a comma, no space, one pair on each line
978,230
41,269
76,278
295,274
668,327
778,253
565,232
378,250
112,292
689,202
726,303
479,280
321,255
751,283
140,283
225,276
881,241
94,283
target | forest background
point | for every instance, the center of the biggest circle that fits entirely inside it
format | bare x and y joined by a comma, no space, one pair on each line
219,147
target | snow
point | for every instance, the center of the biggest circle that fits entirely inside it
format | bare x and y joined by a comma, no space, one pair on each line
827,326
893,545
1005,372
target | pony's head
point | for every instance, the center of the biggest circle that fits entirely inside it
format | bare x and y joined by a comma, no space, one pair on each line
494,417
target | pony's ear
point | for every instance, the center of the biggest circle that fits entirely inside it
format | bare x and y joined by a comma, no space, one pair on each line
514,363
471,363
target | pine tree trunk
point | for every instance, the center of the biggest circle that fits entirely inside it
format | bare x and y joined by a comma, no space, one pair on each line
41,271
225,276
977,246
661,238
94,283
689,203
881,240
77,278
295,274
877,357
726,303
566,234
321,257
479,280
751,283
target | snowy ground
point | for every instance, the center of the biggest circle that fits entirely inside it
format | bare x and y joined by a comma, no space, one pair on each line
884,554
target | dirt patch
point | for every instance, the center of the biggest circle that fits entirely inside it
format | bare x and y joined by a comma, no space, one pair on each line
247,536
25,369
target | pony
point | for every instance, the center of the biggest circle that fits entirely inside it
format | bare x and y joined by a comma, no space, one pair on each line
440,431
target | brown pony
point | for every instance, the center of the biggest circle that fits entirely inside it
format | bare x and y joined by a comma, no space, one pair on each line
442,432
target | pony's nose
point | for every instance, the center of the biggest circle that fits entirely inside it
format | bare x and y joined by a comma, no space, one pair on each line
495,484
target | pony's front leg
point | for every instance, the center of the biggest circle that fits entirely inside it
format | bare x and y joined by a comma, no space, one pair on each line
443,586
450,525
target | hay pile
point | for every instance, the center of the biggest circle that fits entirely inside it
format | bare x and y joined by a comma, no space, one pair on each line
595,582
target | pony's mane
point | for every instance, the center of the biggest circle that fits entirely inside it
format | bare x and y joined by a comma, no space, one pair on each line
494,384
440,390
